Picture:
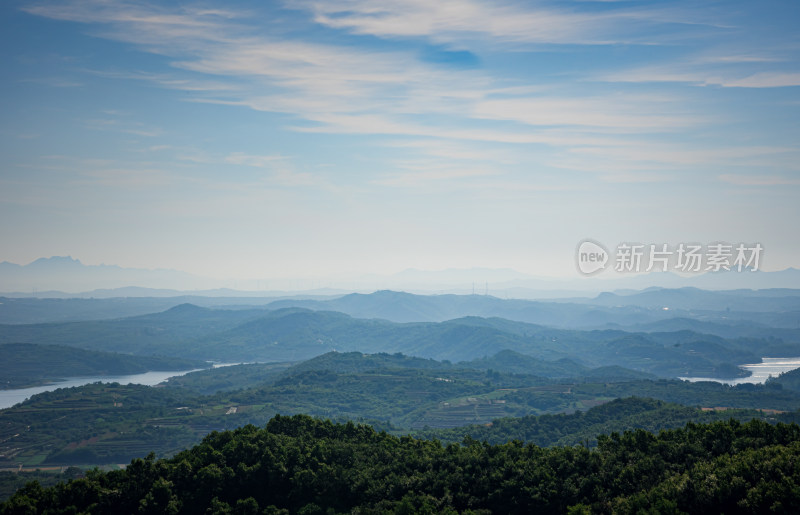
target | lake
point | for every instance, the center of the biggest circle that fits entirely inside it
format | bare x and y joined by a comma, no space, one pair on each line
10,397
761,371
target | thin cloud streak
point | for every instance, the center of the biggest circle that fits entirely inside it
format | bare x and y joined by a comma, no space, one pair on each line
758,180
343,88
458,20
361,123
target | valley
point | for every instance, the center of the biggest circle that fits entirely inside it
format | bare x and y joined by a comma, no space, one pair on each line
471,378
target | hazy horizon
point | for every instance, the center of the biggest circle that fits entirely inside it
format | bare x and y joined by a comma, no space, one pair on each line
69,276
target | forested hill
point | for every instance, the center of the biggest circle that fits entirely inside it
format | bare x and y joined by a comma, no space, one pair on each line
302,465
24,364
295,334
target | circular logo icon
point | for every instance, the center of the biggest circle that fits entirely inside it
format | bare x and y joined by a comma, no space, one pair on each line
591,257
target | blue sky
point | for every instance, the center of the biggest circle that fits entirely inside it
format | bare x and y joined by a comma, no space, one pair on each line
341,137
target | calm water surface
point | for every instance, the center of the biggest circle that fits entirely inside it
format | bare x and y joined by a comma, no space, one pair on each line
10,397
761,371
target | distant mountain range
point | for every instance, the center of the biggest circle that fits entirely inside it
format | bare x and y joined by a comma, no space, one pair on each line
752,313
66,277
294,334
772,308
68,274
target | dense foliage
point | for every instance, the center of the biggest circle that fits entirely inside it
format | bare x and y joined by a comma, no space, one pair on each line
227,378
582,427
505,383
10,482
707,394
103,424
302,465
788,380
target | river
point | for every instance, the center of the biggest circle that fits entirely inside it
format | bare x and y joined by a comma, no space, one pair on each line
10,397
761,371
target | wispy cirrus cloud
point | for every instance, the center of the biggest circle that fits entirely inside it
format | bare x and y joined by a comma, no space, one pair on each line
759,180
119,124
499,21
699,76
671,154
139,178
346,129
335,85
764,80
240,158
170,81
273,169
54,82
762,66
457,150
145,24
303,78
340,87
623,112
427,175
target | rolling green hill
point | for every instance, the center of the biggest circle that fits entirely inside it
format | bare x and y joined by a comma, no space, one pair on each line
23,364
109,423
296,334
154,334
301,465
581,427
